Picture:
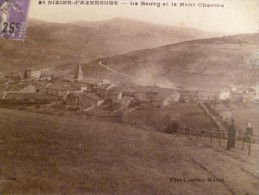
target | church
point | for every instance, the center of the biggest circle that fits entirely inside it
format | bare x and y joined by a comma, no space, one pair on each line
79,75
91,83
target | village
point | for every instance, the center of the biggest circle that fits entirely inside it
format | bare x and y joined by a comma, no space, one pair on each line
99,98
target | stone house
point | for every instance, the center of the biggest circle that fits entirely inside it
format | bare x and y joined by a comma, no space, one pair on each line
42,87
236,97
93,96
79,87
189,95
122,103
223,94
46,77
207,96
17,88
32,74
166,98
80,100
92,83
248,96
28,89
28,98
14,76
102,89
114,93
145,95
57,90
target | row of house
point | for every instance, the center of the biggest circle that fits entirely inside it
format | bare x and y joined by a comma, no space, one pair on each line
98,91
235,94
88,92
29,74
23,93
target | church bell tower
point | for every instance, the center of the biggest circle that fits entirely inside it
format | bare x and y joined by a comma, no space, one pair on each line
79,73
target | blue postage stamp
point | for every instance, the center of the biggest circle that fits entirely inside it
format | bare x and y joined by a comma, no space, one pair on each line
13,14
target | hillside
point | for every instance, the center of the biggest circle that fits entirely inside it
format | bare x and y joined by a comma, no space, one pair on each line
205,63
66,155
50,45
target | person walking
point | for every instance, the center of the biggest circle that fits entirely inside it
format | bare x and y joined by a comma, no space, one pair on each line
231,135
249,132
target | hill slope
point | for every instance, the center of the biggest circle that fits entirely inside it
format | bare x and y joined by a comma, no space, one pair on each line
205,63
74,156
59,44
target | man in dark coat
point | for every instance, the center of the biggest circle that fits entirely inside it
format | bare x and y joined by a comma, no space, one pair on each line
231,135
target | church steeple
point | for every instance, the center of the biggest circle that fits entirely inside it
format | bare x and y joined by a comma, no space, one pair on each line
79,73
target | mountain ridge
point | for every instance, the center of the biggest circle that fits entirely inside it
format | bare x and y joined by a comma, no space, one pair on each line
214,62
51,44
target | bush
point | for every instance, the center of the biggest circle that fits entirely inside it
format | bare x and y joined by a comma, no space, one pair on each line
172,127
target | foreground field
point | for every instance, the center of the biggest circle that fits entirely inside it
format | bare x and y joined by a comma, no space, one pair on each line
50,154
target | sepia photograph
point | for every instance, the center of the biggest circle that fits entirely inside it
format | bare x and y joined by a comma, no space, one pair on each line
129,97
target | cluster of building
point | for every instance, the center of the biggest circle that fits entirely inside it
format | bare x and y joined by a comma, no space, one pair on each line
87,93
235,94
80,92
97,92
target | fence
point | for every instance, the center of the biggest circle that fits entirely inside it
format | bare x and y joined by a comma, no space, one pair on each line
199,132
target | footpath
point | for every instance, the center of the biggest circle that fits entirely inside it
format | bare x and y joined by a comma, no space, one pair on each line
214,118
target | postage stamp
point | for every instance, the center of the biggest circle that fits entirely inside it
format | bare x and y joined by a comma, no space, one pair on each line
13,14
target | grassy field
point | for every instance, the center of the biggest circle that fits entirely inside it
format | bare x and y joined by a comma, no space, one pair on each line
189,114
53,154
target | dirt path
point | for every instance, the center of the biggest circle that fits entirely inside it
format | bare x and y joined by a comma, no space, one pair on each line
214,118
239,172
115,71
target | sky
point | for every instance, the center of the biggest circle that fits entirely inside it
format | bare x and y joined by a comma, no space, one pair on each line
237,16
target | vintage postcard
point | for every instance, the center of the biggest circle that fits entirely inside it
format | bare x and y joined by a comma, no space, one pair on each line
129,97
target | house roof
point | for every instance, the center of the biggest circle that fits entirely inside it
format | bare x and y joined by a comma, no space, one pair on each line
76,84
249,95
1,95
104,86
223,89
93,81
129,89
115,90
24,96
35,71
47,75
236,93
90,99
92,96
43,84
13,74
163,95
206,92
124,99
58,86
75,93
13,86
